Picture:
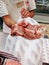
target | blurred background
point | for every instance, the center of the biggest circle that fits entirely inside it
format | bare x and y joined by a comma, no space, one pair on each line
42,6
42,11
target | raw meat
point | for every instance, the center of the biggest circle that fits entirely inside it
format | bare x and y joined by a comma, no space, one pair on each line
27,30
12,62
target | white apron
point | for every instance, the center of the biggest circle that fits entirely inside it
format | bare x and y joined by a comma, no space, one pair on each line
29,52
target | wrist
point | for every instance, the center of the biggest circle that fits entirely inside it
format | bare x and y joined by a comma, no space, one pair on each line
31,14
13,26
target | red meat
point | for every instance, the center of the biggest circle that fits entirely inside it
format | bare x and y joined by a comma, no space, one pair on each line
17,30
27,30
12,62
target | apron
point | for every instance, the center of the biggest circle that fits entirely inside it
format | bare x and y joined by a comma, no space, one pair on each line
25,50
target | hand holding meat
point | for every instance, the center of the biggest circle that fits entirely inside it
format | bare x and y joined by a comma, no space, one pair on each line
25,13
27,30
17,30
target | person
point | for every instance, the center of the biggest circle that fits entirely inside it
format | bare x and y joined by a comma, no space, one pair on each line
10,11
24,9
14,8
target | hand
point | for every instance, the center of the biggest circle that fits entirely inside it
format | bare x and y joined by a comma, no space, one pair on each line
17,30
29,32
25,13
24,24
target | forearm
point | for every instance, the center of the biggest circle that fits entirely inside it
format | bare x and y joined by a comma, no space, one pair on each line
8,21
32,13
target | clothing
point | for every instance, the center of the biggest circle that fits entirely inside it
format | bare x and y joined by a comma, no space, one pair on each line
3,9
14,8
24,49
28,52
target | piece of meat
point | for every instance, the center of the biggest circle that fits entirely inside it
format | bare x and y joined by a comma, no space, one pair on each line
20,31
34,27
28,31
17,30
23,24
30,34
33,32
12,62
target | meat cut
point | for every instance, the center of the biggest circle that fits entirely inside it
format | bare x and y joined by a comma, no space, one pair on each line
27,30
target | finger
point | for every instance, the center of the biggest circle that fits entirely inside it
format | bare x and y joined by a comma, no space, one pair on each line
26,14
22,10
13,33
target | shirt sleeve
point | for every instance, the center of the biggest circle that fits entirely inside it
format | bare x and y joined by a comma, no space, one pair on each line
3,9
32,5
